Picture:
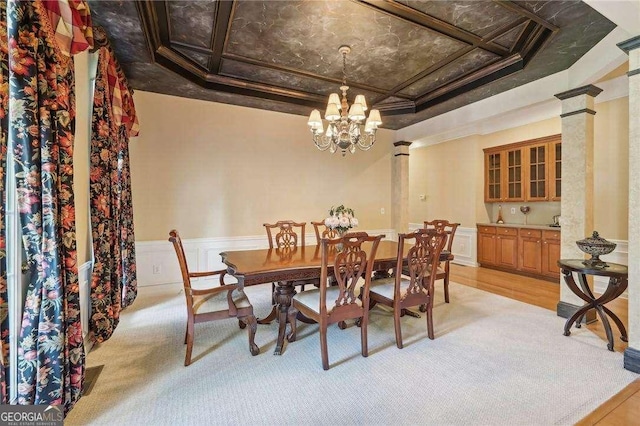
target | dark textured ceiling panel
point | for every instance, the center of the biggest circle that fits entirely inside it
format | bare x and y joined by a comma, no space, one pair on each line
284,79
191,22
508,39
306,36
477,17
414,59
452,71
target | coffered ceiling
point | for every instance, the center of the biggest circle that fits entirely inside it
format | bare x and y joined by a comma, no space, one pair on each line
411,59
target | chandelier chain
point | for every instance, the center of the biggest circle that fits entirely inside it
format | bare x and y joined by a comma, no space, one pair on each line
344,68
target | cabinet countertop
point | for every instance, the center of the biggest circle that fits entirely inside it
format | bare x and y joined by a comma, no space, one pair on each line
520,225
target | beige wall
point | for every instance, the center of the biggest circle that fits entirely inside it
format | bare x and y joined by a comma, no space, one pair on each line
451,175
611,169
215,170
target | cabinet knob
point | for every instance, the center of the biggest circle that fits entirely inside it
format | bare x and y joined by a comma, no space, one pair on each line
538,241
545,242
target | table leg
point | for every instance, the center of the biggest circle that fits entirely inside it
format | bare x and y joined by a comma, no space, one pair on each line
621,328
284,292
578,314
607,327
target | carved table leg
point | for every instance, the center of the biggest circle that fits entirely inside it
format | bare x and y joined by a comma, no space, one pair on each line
284,293
607,327
614,317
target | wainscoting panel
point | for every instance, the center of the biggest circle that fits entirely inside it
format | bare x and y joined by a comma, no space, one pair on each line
464,247
157,262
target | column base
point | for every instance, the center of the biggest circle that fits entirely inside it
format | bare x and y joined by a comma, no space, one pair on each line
632,360
565,310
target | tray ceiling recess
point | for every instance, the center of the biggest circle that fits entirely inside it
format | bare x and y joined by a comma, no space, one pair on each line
411,59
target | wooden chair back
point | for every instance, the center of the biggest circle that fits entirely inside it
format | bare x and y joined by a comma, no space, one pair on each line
421,258
174,237
441,225
448,228
285,234
322,231
349,263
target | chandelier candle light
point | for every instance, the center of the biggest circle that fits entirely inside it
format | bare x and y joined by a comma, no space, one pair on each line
345,129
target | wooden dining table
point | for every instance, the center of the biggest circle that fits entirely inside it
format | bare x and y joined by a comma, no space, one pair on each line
284,267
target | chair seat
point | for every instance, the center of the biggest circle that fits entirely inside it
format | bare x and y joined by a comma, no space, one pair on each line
218,301
311,298
385,287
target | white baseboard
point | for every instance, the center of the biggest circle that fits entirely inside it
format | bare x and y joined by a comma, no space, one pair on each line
157,262
464,247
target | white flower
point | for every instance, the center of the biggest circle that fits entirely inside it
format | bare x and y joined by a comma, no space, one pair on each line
341,218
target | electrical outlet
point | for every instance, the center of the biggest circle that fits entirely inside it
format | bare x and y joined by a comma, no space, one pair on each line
157,269
382,210
513,210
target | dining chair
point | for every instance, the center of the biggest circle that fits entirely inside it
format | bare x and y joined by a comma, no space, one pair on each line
211,304
285,236
335,304
416,289
449,229
322,231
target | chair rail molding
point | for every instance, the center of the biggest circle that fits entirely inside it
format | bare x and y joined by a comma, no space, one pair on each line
464,245
157,263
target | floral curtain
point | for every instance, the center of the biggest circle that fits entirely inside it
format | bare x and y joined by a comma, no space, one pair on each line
114,121
4,104
42,122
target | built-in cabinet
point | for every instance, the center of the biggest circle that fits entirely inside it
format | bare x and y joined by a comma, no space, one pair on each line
527,251
524,171
550,253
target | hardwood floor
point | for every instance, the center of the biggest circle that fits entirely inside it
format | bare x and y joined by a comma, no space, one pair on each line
623,408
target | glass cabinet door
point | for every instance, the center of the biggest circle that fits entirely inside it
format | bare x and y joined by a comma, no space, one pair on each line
493,181
537,179
515,171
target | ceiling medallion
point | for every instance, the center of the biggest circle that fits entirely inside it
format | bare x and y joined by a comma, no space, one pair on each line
345,130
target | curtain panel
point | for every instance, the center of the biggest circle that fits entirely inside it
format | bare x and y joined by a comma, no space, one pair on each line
114,121
42,124
4,105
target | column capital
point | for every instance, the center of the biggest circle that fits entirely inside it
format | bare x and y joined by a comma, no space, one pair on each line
629,45
402,148
590,90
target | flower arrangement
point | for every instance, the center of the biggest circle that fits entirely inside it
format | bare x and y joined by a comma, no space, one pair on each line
341,219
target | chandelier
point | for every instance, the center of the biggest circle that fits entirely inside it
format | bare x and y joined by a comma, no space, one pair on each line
345,130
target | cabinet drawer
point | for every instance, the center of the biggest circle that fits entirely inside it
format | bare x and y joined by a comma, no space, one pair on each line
530,233
507,231
551,235
487,229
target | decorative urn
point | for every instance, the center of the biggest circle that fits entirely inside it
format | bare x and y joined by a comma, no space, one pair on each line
596,246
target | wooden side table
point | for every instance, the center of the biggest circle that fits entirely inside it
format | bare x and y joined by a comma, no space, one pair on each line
618,281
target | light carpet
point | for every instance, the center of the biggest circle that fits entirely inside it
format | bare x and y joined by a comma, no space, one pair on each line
494,361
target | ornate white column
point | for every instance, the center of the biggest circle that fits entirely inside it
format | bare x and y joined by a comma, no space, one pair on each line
400,187
632,353
576,205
